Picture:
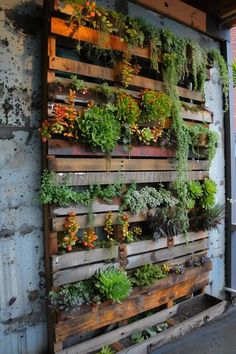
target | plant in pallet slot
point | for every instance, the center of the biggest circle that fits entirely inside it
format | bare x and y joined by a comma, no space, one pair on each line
100,127
194,193
128,110
88,239
147,274
106,350
69,237
209,189
126,70
108,228
113,284
206,219
128,235
164,223
156,107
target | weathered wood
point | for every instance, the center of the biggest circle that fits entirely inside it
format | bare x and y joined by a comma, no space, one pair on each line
53,245
82,257
175,286
61,27
177,330
116,164
87,178
190,237
99,219
167,253
71,275
90,70
64,148
179,11
120,333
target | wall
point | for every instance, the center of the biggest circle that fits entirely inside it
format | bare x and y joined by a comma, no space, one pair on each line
22,317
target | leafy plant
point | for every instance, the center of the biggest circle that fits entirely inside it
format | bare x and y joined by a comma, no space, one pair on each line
206,219
100,127
126,69
149,197
198,61
147,274
128,110
217,58
106,350
71,295
77,84
194,192
113,284
156,106
165,223
209,189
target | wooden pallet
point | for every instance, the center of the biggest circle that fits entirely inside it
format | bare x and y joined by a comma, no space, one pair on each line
78,165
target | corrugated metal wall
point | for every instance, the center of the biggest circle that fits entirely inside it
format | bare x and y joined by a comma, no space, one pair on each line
22,317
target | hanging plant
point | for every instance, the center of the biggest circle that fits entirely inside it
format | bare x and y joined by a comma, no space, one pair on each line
126,70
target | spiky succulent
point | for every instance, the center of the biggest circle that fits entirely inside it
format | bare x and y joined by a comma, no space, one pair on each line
206,219
209,189
113,284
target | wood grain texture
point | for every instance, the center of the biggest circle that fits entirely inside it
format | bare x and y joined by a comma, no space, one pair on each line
87,178
90,70
175,286
116,164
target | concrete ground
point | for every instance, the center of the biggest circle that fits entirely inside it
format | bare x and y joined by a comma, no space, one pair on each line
217,337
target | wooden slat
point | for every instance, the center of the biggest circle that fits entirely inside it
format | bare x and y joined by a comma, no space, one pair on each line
175,286
99,219
60,27
71,275
167,254
109,164
64,148
177,330
87,178
75,259
177,10
90,70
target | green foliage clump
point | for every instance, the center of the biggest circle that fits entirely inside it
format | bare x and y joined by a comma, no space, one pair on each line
206,219
147,274
106,350
194,192
77,84
198,62
209,189
234,72
71,295
113,284
156,106
128,110
100,127
217,58
149,197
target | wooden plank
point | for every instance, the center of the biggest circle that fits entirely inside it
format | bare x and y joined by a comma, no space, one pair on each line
75,259
191,236
140,301
179,11
72,275
87,178
64,148
116,164
167,254
177,330
61,27
90,70
120,333
98,207
99,219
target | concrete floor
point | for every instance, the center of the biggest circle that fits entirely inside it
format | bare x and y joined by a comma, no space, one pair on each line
217,337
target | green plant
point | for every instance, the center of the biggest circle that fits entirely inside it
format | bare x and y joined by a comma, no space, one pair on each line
206,219
69,237
71,295
77,84
209,189
147,274
165,223
198,62
100,127
128,110
147,198
156,106
126,69
105,90
113,284
106,350
194,192
234,72
217,58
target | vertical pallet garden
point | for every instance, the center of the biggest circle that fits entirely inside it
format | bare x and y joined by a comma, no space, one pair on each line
75,164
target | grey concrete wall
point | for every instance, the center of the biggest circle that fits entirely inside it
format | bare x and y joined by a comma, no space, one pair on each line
22,316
